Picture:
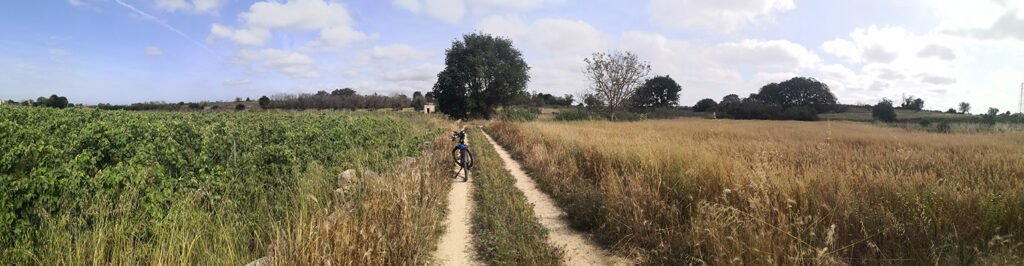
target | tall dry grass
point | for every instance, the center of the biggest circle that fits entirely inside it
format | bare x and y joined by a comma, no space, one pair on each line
695,191
394,218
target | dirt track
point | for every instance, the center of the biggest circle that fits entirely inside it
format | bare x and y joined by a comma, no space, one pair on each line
455,247
579,249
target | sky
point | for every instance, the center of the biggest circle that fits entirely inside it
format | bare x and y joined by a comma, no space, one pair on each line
124,51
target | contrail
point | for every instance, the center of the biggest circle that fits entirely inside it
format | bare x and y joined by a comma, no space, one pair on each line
162,23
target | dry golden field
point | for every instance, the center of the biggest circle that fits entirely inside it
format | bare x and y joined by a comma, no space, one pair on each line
770,192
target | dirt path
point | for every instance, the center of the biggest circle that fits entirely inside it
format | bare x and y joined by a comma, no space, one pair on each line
579,249
455,247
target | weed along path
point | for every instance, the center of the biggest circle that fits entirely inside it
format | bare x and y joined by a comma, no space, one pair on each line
455,248
578,249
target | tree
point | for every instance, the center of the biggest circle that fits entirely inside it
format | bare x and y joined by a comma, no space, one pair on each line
706,104
883,111
912,103
951,111
591,101
798,91
418,101
731,99
964,107
661,91
264,102
240,107
992,111
614,76
343,92
481,72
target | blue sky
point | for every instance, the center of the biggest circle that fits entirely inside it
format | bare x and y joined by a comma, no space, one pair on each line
123,51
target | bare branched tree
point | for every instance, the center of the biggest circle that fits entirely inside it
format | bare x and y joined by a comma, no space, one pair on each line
614,76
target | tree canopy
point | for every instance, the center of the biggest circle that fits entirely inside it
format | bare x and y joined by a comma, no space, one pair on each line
798,91
660,91
615,76
481,72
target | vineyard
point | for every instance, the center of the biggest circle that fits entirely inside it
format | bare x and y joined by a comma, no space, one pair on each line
80,185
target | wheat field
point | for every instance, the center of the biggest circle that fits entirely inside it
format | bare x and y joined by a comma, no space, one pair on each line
693,191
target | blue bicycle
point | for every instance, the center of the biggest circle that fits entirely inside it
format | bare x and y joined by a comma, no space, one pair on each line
461,154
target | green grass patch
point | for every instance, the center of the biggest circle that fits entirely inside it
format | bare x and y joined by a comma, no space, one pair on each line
505,229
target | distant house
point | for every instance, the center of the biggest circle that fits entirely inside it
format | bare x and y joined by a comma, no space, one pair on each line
428,108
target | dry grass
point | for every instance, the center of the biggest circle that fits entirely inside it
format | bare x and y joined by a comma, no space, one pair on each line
768,192
394,218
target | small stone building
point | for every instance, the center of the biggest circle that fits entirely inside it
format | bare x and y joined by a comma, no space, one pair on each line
428,108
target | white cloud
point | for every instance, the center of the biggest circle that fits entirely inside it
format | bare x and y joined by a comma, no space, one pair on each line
550,36
771,53
154,51
331,19
937,51
452,11
397,52
423,73
236,82
246,37
934,79
716,16
196,6
293,64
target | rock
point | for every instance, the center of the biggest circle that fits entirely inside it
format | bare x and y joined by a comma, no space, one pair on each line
346,177
339,193
408,161
264,261
370,174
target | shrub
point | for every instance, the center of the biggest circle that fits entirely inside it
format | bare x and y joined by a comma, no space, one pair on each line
240,107
943,127
666,113
573,114
925,122
883,111
799,113
626,116
705,105
517,114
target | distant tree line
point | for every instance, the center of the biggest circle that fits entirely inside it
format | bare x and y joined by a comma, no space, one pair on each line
340,99
539,99
53,101
799,98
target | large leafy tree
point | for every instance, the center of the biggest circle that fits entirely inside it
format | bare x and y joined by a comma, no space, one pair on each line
660,91
481,72
798,91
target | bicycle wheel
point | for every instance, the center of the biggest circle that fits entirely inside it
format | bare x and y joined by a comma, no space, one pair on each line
468,159
455,156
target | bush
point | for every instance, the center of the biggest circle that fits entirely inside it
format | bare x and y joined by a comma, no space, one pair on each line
752,109
518,114
883,111
705,105
666,113
925,122
799,113
240,107
626,116
573,114
943,127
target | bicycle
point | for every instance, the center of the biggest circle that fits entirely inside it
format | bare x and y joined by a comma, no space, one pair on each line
461,154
